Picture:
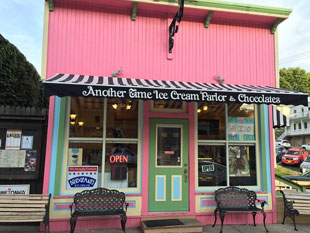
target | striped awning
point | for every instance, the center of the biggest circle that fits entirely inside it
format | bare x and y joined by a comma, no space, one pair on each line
279,120
126,88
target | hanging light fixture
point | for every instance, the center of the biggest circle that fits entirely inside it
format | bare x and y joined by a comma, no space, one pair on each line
114,106
73,116
198,110
128,107
205,108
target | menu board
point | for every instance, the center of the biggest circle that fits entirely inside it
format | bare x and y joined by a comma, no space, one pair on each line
241,129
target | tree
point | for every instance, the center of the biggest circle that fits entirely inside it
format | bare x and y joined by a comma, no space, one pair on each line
20,83
296,79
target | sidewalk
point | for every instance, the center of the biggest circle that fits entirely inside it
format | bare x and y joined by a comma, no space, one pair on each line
273,228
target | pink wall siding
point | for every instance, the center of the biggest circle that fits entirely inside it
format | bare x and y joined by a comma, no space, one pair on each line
95,42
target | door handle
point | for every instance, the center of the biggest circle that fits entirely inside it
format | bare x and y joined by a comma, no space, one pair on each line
185,175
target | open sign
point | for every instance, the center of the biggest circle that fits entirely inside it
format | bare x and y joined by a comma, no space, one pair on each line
118,159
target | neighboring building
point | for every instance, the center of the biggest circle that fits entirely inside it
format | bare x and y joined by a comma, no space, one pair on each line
167,118
299,130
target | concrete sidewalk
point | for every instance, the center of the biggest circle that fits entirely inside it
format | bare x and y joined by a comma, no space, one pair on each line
273,228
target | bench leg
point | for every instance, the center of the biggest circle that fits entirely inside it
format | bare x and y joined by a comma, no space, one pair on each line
222,216
215,217
72,223
264,219
254,214
123,221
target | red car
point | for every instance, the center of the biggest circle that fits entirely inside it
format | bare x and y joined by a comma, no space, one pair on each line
294,156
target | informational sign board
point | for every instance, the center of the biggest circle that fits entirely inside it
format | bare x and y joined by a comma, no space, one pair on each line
13,138
241,129
82,177
12,158
14,189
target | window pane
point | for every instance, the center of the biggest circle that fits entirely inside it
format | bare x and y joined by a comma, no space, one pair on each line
211,121
122,118
174,106
120,165
241,123
82,154
168,146
242,165
86,117
212,165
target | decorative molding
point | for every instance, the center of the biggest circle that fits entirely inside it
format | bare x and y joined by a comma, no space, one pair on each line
134,11
208,19
275,25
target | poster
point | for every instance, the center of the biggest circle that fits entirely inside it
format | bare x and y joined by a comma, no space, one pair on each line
27,142
14,189
75,156
13,138
30,160
82,177
12,158
240,129
238,161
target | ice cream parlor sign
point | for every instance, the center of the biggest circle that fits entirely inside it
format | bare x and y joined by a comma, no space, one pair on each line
82,177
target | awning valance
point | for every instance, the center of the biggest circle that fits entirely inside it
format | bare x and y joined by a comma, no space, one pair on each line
279,119
126,88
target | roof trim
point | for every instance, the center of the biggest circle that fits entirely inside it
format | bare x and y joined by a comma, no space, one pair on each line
227,6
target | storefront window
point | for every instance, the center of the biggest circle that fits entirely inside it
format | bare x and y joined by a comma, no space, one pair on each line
212,165
122,118
211,121
116,119
168,106
86,117
120,165
216,152
242,165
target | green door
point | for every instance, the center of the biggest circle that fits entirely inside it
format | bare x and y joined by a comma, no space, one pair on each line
168,165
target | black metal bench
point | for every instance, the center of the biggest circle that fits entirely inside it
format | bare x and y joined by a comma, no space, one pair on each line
295,203
98,202
234,199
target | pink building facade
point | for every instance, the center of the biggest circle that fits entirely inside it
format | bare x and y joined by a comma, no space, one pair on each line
187,122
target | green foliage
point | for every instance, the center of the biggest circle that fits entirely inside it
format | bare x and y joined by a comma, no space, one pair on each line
282,171
295,79
20,83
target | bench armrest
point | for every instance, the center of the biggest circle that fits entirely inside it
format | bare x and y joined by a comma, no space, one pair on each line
262,203
126,205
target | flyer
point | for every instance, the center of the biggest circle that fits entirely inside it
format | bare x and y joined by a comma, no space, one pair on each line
82,177
13,138
27,142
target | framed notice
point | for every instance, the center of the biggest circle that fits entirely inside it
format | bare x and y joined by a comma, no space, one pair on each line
27,142
13,138
82,177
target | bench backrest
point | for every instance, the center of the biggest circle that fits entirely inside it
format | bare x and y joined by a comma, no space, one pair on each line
98,200
24,208
235,198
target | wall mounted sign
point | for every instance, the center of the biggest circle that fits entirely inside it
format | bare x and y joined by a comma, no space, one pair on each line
14,189
82,177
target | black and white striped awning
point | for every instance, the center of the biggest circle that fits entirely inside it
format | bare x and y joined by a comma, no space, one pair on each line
279,119
126,88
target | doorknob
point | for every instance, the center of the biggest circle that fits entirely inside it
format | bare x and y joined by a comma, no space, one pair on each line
185,175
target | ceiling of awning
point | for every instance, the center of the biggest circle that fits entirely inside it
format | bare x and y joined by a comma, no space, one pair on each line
279,119
127,88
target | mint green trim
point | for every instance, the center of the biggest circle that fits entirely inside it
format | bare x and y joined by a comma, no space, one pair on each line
208,19
60,147
236,6
50,5
263,147
289,183
134,11
275,25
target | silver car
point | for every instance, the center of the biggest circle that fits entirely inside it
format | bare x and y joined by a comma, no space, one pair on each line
305,165
306,146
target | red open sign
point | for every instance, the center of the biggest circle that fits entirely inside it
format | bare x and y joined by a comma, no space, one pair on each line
118,158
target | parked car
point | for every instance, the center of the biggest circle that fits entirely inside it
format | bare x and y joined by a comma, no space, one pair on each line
294,156
305,165
280,151
281,142
306,147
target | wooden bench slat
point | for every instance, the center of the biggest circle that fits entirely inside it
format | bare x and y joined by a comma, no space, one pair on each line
22,209
25,205
24,197
23,201
14,213
28,219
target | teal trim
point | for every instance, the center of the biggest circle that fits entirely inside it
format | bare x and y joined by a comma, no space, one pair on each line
176,188
208,19
236,6
54,146
134,11
262,148
60,146
275,25
267,148
160,193
289,183
50,5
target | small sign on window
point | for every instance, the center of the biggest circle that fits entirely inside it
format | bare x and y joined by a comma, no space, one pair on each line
207,168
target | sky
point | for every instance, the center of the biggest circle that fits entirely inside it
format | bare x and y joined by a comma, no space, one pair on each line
21,22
